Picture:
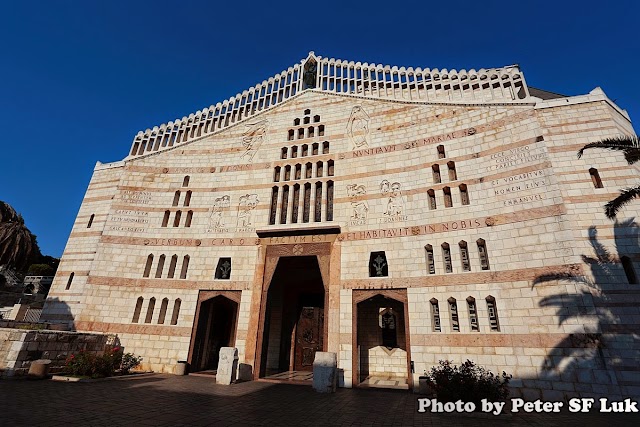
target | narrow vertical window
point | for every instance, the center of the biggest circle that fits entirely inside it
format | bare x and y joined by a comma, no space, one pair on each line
448,202
185,267
431,265
321,130
165,219
274,205
464,194
595,178
160,266
452,171
305,150
301,133
311,131
453,311
172,266
176,198
441,154
298,172
187,222
276,174
473,314
319,170
432,199
185,181
435,315
91,220
436,174
287,173
294,151
137,310
464,256
325,147
482,254
446,258
317,214
378,264
73,274
163,311
187,198
329,200
150,308
629,270
176,311
284,152
296,204
316,119
176,220
223,270
147,267
492,311
291,135
296,122
330,168
314,149
306,202
285,204
308,169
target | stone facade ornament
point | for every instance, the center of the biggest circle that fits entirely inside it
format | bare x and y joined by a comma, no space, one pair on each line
216,220
247,205
253,138
360,207
395,202
358,127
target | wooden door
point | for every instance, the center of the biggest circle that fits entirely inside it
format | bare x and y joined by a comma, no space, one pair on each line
309,337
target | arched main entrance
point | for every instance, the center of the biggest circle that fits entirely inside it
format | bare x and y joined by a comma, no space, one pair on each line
215,327
294,319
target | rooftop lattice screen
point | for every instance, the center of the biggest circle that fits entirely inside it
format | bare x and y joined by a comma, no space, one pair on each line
374,81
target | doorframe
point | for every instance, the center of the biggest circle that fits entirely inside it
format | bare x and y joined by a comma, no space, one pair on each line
273,254
360,295
206,295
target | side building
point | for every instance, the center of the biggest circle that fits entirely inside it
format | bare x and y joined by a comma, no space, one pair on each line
393,216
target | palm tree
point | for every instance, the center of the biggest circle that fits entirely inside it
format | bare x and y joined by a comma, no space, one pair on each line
17,245
630,146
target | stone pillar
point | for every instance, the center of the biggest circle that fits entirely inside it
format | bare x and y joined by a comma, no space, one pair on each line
227,365
325,368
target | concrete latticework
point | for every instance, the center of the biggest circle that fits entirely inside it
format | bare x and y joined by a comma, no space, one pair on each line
393,216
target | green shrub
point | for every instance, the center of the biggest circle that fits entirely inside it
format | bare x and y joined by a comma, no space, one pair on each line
87,364
129,361
467,382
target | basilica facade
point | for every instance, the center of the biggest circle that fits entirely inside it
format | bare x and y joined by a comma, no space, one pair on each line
395,216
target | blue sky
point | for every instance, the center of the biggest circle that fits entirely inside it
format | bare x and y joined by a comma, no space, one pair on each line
81,78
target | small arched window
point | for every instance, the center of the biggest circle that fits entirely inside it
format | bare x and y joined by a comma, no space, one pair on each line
176,198
301,133
187,222
150,308
595,178
147,267
187,198
176,220
223,270
446,258
291,135
321,130
284,152
473,314
319,170
276,174
330,168
436,174
492,311
165,219
287,173
311,131
298,171
137,310
432,199
453,312
464,256
448,202
314,149
378,264
308,169
431,265
316,119
441,153
435,315
294,151
71,280
325,147
160,266
452,171
629,270
91,220
176,311
482,254
296,122
305,150
163,311
172,266
464,194
185,267
185,181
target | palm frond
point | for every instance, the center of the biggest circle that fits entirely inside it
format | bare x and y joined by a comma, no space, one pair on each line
626,196
629,145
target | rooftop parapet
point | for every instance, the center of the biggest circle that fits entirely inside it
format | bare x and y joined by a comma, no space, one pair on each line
331,75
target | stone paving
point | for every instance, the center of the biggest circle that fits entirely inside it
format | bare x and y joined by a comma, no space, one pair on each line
167,400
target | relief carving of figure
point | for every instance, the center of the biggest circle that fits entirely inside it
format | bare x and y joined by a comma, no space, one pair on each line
360,207
253,138
216,220
395,202
247,205
358,127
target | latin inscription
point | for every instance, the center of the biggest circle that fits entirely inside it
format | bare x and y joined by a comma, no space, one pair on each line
172,242
316,238
411,231
514,157
136,197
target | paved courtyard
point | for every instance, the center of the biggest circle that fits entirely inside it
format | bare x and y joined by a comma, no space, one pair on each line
168,400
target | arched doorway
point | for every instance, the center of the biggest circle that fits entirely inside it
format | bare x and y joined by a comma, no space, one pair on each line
215,327
382,356
294,319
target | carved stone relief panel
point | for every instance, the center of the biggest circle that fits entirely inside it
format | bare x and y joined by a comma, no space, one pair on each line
358,127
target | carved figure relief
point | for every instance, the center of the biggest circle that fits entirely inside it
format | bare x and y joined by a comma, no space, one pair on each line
395,202
253,138
216,220
360,207
247,205
358,127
